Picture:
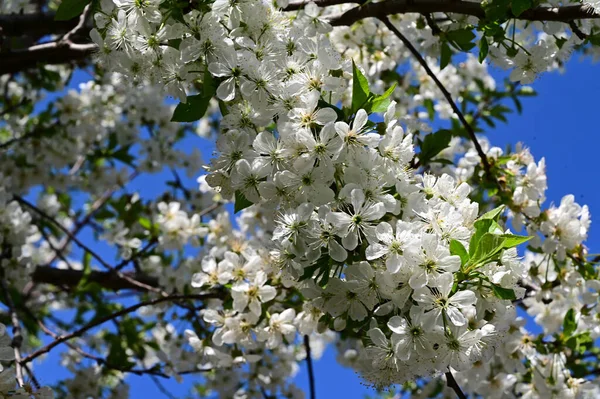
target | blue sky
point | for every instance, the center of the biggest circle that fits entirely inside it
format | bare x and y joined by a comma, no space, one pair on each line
559,124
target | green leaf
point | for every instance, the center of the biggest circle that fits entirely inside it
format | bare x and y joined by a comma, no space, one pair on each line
429,106
456,248
432,145
69,9
360,89
519,6
494,214
87,271
488,247
192,110
446,55
340,114
569,323
382,102
496,9
322,267
511,240
241,202
461,38
482,227
504,293
145,223
483,49
209,85
122,154
461,35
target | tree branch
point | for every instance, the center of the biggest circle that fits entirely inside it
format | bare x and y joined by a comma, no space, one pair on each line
389,7
50,219
107,280
102,320
309,364
447,95
451,383
17,339
47,53
39,24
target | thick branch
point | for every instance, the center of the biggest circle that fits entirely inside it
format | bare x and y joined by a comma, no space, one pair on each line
33,24
49,53
390,7
108,280
298,5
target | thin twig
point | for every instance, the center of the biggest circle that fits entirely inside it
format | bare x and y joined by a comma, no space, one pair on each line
149,246
50,219
447,95
96,205
162,388
577,31
451,383
17,339
102,320
309,364
11,108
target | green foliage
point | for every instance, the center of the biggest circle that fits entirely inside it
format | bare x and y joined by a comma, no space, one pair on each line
519,6
69,9
363,98
360,89
461,38
320,270
494,214
433,144
496,9
503,293
569,323
196,105
241,202
192,110
446,55
456,248
483,49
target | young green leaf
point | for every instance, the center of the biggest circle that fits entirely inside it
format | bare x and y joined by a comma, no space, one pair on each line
482,226
192,110
382,102
569,323
483,49
360,88
446,55
456,248
69,9
462,38
504,293
511,240
494,214
209,85
432,145
519,6
241,202
488,247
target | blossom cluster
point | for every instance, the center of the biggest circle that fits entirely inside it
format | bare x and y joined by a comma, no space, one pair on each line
397,259
345,231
